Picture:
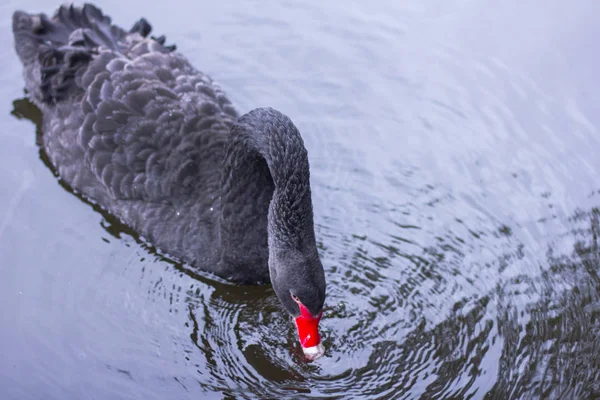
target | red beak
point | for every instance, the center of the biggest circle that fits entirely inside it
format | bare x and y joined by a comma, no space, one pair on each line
308,327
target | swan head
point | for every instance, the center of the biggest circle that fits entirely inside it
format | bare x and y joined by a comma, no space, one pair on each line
299,282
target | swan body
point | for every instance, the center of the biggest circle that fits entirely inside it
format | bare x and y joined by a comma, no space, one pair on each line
132,125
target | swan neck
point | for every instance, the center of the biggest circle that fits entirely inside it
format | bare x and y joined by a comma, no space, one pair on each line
266,198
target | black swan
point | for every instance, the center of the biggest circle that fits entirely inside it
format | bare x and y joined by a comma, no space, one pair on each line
130,124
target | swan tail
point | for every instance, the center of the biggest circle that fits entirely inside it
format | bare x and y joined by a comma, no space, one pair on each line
56,51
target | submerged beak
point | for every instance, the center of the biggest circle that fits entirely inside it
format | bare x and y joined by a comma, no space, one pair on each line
308,332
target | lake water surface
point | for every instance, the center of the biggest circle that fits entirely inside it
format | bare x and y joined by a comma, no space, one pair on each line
455,171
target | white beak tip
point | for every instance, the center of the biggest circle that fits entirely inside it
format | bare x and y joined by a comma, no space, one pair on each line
314,352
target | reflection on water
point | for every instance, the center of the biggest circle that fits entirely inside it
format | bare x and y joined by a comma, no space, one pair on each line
455,210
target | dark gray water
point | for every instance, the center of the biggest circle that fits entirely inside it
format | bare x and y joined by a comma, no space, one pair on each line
454,152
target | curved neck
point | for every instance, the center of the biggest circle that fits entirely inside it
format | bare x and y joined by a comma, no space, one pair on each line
266,199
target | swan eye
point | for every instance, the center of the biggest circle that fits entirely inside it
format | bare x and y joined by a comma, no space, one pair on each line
295,298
